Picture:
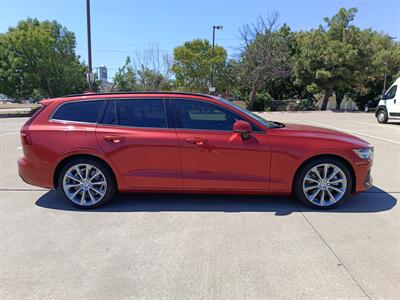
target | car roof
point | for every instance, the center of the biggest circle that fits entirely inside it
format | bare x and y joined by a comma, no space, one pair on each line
145,93
116,95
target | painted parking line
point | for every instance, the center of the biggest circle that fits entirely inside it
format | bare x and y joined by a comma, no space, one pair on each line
9,133
351,131
377,124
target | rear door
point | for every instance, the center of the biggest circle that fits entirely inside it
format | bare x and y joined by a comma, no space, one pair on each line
134,133
213,157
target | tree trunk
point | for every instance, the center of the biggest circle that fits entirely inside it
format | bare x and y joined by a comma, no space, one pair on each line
339,99
252,96
326,99
48,88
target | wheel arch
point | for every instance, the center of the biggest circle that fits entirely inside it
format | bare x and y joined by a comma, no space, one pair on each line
80,156
379,108
332,156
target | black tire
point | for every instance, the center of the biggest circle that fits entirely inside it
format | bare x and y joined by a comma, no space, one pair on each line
298,192
366,109
382,116
109,178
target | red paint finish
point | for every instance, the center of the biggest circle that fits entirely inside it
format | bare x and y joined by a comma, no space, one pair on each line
223,160
145,158
184,160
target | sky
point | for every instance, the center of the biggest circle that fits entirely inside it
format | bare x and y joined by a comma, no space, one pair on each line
120,28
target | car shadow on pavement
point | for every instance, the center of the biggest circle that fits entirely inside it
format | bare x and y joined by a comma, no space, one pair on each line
375,200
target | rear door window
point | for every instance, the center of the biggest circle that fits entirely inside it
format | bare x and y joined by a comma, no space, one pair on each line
146,113
110,114
80,111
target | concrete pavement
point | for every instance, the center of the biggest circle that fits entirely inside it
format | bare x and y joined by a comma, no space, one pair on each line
202,246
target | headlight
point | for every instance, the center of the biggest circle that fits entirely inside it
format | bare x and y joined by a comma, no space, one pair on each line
364,153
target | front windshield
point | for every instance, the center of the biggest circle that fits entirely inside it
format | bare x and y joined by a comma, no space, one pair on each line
269,124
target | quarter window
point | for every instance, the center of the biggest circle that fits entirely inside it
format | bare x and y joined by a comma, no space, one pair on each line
82,111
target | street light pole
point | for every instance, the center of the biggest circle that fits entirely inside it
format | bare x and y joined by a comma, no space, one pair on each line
213,55
89,37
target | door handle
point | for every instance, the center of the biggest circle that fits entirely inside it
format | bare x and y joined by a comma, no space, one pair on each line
114,138
197,141
394,101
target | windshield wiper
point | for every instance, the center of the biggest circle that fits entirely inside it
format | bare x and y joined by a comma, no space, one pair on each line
278,124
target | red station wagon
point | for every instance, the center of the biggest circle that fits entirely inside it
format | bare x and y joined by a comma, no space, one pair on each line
90,146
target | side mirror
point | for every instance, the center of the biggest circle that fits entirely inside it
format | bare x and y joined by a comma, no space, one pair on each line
242,127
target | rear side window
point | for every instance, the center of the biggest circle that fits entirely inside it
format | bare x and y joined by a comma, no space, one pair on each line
136,113
82,111
110,114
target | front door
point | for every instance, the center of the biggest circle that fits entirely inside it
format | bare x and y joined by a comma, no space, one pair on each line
213,156
134,133
392,102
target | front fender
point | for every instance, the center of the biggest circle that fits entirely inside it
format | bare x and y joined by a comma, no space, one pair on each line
381,107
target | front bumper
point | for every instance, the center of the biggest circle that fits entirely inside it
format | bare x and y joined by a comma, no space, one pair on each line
363,176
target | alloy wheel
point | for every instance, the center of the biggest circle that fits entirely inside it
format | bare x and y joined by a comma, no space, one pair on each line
84,184
324,184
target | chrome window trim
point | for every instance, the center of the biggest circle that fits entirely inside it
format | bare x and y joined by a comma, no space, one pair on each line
126,126
106,100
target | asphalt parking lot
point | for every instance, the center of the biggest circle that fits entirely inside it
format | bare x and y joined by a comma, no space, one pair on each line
210,247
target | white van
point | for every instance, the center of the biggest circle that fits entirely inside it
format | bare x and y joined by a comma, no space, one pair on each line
389,106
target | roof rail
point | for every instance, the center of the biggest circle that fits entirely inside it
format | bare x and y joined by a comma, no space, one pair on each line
135,93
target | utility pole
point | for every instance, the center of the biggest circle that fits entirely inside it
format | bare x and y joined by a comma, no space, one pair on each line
384,79
391,38
212,88
89,75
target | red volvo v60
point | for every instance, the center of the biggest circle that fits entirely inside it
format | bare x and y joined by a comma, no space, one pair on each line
90,146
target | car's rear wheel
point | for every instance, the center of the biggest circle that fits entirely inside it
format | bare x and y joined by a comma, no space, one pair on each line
323,183
86,183
382,116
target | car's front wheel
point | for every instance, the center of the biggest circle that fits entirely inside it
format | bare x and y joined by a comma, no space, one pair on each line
323,183
86,183
382,116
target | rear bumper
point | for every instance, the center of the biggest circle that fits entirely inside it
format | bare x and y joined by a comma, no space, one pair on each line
34,175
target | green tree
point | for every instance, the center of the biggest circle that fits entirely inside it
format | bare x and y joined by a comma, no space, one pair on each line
283,87
38,59
152,80
342,60
382,56
264,56
129,78
193,65
125,79
330,60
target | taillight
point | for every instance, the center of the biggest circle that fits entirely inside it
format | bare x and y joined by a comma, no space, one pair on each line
25,137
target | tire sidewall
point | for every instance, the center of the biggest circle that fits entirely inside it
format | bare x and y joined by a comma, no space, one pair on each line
298,184
382,112
111,187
